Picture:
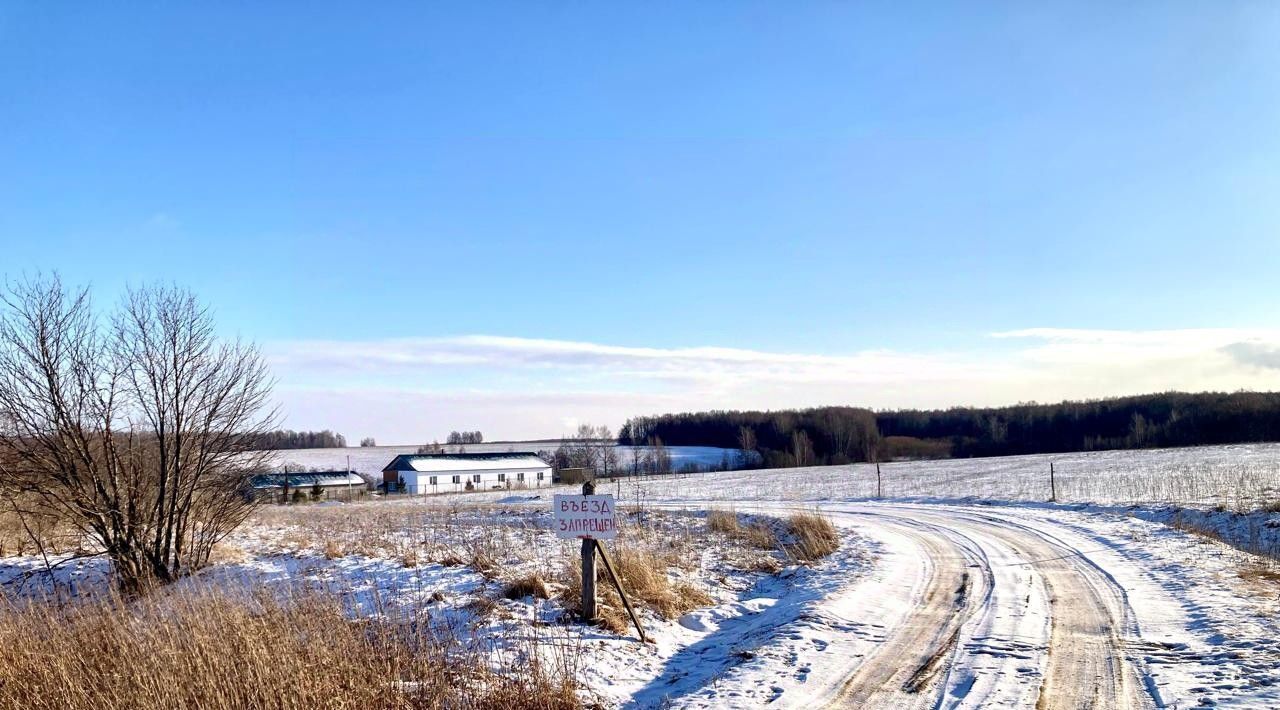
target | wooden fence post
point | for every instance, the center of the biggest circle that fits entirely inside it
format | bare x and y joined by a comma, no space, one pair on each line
879,489
1053,485
588,567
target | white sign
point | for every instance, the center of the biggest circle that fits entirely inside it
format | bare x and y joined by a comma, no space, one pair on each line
588,517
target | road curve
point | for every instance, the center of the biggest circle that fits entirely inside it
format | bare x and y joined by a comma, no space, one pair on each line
1000,614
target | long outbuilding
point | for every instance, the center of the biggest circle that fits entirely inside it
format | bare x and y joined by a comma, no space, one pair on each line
422,474
313,485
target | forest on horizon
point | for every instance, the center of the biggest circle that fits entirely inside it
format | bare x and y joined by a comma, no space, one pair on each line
837,435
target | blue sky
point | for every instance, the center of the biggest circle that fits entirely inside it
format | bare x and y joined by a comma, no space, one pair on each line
516,216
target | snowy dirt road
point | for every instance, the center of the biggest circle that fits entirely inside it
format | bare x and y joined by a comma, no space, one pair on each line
967,637
1006,607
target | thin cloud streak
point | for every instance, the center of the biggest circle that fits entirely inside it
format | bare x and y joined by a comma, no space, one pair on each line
405,389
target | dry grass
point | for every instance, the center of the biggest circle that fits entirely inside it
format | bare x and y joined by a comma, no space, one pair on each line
760,536
450,559
1260,571
217,650
227,553
484,563
644,575
757,534
812,536
723,521
1256,557
448,535
529,585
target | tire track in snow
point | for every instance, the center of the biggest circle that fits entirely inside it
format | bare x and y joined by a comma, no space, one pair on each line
1086,664
902,672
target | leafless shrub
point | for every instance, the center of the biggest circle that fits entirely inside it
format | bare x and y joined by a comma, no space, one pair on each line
137,434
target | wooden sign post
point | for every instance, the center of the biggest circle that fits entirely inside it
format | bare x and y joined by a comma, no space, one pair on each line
591,518
588,566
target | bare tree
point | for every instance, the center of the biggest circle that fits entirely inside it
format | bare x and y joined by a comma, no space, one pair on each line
139,433
590,447
368,441
746,446
660,457
801,448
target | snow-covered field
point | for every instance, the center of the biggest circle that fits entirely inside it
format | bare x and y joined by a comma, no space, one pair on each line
961,588
1240,477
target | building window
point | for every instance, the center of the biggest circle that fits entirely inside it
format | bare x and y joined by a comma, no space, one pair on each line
433,480
457,479
520,476
502,478
476,478
539,475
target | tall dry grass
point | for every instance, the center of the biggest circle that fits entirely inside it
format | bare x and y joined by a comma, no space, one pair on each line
757,534
812,536
644,573
218,650
723,521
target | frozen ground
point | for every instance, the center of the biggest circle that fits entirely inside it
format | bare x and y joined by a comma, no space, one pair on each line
963,588
983,595
1238,477
1017,607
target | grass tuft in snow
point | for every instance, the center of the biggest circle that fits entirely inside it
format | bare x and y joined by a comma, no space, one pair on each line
644,573
812,536
529,585
723,521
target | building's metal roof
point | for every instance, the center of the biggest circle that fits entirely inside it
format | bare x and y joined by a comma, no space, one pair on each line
307,479
466,462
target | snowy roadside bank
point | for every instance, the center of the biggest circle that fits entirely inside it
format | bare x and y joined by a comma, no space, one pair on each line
492,578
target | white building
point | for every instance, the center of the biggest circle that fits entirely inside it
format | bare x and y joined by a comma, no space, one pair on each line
421,474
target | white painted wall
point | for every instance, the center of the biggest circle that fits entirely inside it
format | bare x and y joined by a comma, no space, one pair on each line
420,482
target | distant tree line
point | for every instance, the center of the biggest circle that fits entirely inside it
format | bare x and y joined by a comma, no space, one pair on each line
289,439
810,437
1144,421
834,435
465,437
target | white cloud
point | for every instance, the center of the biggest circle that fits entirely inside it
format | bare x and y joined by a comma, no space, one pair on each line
1255,353
413,389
